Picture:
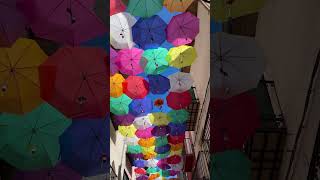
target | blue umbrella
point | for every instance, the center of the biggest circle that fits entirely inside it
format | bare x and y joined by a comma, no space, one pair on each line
163,149
158,84
177,129
166,15
156,97
140,163
149,32
140,107
85,146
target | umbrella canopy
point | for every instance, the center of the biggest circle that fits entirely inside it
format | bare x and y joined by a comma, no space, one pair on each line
160,131
127,131
136,149
149,32
140,107
140,171
131,140
129,61
176,139
154,176
177,129
135,87
161,156
175,159
136,156
179,100
140,163
158,84
116,6
165,173
237,64
144,133
159,102
156,60
163,166
113,62
67,80
142,122
176,147
144,8
177,167
153,169
161,141
177,5
152,163
147,142
124,120
148,149
120,30
178,116
223,163
20,92
149,155
180,82
163,149
142,177
63,22
120,105
174,173
166,15
181,56
116,88
159,119
183,29
85,146
31,141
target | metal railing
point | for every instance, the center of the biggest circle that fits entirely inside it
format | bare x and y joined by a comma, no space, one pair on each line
113,175
193,110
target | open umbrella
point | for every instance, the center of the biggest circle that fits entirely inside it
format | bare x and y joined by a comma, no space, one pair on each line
179,100
153,169
144,133
120,105
136,156
161,141
176,139
177,167
156,60
149,32
129,61
19,80
160,131
176,147
142,122
142,177
136,149
127,131
152,163
116,6
154,176
148,142
164,173
183,29
175,159
158,84
174,173
140,163
140,171
177,152
149,155
181,56
124,120
159,119
31,141
140,107
113,60
223,163
166,15
178,116
161,156
163,165
237,64
177,5
159,102
148,149
131,140
74,80
180,82
177,129
116,88
144,8
163,149
135,87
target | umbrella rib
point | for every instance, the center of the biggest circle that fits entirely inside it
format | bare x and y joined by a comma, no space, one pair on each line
23,53
54,9
25,77
136,6
92,92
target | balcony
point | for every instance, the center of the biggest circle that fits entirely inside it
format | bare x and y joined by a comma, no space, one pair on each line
193,110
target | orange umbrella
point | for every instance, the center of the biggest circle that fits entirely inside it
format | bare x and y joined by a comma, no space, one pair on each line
154,176
149,155
147,142
177,5
116,88
176,147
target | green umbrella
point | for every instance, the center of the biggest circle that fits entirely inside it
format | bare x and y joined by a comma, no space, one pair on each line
234,161
164,173
161,156
31,141
144,8
156,61
134,149
161,141
120,105
178,116
151,170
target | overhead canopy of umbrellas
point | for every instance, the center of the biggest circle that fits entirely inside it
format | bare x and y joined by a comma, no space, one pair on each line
150,44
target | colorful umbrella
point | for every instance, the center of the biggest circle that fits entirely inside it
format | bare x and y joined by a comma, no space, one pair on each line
144,133
163,165
183,29
159,102
177,167
166,15
149,32
129,61
152,163
149,155
153,169
120,105
134,149
163,149
156,60
113,62
179,100
142,122
148,149
116,88
67,80
120,30
223,163
176,147
181,56
124,120
142,178
140,107
160,131
158,84
176,139
174,173
135,87
165,155
31,141
147,142
164,173
178,116
127,131
140,163
161,141
177,152
180,82
177,129
153,176
140,171
116,6
159,119
131,140
136,156
177,5
144,8
175,159
19,80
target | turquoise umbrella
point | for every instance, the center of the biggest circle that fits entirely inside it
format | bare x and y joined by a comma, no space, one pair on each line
178,116
120,105
156,62
144,8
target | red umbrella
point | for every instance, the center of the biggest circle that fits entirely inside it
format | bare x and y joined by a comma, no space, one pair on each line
235,120
179,100
175,159
140,171
75,81
116,6
135,87
176,139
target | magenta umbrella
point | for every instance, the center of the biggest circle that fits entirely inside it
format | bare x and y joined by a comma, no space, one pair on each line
124,120
113,61
144,133
129,61
70,22
182,29
160,130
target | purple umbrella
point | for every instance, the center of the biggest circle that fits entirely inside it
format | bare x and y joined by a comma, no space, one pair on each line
140,107
12,23
177,129
113,62
162,164
139,163
182,29
142,177
163,149
135,156
158,84
59,172
160,130
145,133
124,120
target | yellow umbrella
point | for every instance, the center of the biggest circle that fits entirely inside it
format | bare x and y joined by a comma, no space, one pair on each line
19,76
127,131
147,142
149,155
116,85
177,5
178,152
176,147
159,119
146,150
181,56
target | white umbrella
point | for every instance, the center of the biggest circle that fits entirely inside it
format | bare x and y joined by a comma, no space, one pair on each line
152,163
131,140
142,122
180,82
120,30
237,64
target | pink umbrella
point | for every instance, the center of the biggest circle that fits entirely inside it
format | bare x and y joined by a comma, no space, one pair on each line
182,29
129,61
70,22
144,133
113,61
